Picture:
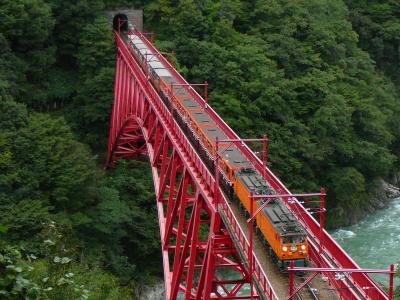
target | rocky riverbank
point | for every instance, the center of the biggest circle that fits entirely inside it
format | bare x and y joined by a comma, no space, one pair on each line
380,197
391,190
151,292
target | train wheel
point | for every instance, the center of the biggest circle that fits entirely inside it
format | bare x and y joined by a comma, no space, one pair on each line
266,245
258,231
244,211
281,264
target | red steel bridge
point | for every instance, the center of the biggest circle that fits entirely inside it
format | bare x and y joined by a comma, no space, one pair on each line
206,249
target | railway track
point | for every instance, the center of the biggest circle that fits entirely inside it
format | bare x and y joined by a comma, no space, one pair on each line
346,278
311,292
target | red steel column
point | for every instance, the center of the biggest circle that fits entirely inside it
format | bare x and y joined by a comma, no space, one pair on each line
265,155
216,188
291,280
250,253
321,220
391,282
206,91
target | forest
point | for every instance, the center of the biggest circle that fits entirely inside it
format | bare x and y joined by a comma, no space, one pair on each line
320,77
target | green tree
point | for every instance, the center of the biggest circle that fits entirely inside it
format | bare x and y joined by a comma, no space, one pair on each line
27,25
70,18
378,26
91,107
123,223
44,169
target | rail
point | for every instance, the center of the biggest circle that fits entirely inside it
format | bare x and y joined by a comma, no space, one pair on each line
332,250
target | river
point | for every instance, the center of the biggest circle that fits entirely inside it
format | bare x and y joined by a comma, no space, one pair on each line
374,243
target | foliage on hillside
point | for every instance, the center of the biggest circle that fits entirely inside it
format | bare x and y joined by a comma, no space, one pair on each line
319,77
56,91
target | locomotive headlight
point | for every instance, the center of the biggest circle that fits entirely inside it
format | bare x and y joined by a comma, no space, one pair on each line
303,247
284,248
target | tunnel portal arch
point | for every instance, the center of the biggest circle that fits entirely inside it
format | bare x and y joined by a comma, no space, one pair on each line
120,22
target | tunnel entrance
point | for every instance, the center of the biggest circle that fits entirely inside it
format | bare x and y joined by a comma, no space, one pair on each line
120,22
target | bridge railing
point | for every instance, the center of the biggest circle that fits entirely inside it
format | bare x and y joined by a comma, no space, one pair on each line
333,253
262,279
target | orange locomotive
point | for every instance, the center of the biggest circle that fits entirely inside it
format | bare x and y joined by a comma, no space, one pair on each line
279,230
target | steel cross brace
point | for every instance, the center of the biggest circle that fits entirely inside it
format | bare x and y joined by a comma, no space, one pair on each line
250,221
317,271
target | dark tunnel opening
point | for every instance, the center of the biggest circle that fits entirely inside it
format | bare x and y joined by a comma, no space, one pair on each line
120,22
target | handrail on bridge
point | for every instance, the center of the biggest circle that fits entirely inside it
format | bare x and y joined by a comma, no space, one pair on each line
340,274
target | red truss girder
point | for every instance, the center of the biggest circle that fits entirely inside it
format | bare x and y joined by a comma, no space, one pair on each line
195,243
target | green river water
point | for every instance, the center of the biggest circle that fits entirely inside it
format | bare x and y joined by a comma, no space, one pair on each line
374,243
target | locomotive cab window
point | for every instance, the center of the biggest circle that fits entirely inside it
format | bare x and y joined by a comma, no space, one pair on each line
293,239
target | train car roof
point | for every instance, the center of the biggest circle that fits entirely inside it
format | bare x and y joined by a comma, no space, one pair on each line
234,157
170,79
255,183
140,45
276,211
134,37
145,51
156,64
190,103
163,73
204,120
282,219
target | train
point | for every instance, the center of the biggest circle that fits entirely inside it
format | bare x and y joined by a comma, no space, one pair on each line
279,230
